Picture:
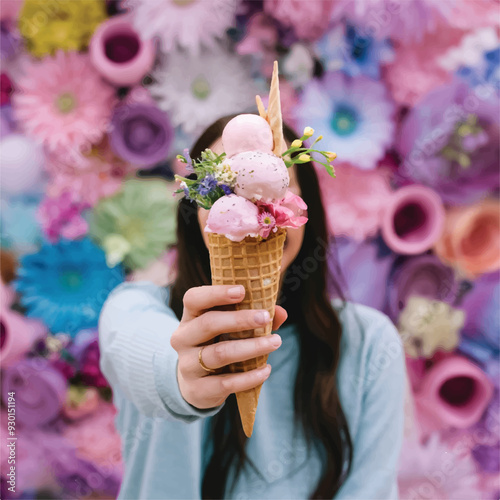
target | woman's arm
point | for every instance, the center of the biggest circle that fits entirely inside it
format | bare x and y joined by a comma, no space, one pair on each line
378,441
135,327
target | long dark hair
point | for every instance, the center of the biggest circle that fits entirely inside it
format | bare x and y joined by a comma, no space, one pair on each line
304,295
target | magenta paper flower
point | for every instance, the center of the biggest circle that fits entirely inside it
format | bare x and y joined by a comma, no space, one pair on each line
356,200
450,143
188,24
63,102
477,14
354,115
309,20
416,68
404,20
62,216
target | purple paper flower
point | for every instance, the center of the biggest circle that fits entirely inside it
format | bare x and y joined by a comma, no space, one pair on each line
207,185
90,370
449,142
425,276
354,116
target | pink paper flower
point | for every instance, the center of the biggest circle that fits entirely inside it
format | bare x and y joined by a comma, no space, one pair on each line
95,175
416,68
356,200
267,223
63,102
62,216
308,19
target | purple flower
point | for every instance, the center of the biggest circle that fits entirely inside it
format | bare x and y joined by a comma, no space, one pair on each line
449,142
226,188
207,185
189,161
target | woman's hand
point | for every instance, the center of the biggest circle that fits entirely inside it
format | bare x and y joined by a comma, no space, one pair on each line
200,325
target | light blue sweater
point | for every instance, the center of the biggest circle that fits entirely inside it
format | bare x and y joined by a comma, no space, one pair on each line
163,436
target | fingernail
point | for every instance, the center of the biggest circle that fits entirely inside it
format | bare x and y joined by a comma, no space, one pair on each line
262,317
275,340
235,292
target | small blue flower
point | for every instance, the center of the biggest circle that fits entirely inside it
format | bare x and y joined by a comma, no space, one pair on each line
226,188
207,185
189,164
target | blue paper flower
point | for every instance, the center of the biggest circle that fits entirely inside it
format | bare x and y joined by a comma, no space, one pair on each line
355,53
354,116
66,284
487,73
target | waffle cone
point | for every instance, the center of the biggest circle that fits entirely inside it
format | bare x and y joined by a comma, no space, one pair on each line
274,112
256,265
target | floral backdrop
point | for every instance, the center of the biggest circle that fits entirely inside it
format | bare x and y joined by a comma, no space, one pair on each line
98,97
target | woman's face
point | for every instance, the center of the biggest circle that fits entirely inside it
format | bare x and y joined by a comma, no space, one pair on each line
294,236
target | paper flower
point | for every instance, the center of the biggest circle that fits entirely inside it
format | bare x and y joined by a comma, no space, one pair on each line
81,402
428,325
66,25
480,13
298,65
96,439
6,89
189,25
40,391
435,470
260,41
416,68
354,116
62,217
405,21
63,102
347,48
449,142
356,201
195,91
364,268
425,276
89,370
471,239
97,174
141,134
66,284
309,20
19,229
137,224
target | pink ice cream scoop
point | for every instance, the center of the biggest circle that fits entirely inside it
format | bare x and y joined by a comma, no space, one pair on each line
234,217
261,176
247,133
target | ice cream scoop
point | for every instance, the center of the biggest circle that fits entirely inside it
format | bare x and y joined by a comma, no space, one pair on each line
234,217
261,176
247,133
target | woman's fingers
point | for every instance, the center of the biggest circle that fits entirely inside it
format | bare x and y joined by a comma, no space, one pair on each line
213,323
220,354
280,316
218,387
198,299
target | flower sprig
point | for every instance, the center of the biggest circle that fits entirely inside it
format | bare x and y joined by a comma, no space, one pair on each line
214,178
302,154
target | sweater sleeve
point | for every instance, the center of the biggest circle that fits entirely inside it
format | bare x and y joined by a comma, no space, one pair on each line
135,326
379,435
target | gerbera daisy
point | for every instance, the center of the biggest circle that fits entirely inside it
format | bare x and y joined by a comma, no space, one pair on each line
63,25
63,102
189,24
66,284
197,90
354,115
267,223
137,224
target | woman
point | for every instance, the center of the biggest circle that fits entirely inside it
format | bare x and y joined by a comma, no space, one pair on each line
330,416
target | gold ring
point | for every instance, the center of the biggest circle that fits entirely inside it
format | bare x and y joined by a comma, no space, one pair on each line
206,368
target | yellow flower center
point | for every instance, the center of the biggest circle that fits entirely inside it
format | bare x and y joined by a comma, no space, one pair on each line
66,102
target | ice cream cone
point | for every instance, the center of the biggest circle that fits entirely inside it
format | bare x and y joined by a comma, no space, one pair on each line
256,265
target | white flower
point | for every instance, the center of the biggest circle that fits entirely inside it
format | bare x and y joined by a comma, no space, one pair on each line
224,174
195,91
189,24
427,325
298,65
